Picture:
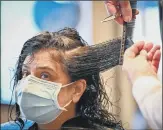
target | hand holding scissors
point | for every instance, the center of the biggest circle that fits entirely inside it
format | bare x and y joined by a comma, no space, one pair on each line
120,11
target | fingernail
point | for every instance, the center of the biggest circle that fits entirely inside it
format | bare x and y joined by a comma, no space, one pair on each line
127,19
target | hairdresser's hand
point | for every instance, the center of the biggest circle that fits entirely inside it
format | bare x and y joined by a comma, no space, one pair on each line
120,7
141,60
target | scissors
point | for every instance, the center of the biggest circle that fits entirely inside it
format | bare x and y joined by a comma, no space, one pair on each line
111,17
118,14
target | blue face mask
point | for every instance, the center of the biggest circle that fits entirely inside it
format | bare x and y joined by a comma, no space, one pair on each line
37,99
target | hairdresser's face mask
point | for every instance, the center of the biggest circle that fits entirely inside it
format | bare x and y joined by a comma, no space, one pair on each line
37,99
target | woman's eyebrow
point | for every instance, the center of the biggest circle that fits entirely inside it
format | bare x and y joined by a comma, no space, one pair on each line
25,66
46,68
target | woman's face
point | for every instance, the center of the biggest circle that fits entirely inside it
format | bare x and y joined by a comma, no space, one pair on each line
45,67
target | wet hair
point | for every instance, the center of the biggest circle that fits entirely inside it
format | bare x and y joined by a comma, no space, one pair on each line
85,63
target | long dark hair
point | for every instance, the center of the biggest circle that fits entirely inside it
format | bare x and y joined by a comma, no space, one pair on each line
86,63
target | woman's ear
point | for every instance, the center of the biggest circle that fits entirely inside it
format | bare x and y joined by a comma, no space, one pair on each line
80,86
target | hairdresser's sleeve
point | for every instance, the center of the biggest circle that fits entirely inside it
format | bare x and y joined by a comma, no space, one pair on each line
147,92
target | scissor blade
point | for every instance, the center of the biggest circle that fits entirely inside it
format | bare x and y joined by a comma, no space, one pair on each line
109,18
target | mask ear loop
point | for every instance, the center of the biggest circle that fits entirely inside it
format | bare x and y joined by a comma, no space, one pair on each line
67,105
70,100
67,84
53,97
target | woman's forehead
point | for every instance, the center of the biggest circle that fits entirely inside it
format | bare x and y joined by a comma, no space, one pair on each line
41,58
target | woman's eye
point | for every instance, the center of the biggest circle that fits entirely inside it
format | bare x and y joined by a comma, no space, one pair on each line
44,76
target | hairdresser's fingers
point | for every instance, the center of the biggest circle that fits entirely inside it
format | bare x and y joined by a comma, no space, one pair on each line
136,13
152,52
122,7
111,6
156,60
143,54
134,49
148,46
126,10
119,20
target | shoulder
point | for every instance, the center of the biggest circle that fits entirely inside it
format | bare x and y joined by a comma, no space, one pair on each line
14,126
83,123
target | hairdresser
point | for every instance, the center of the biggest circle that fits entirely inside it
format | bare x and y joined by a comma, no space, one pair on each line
141,62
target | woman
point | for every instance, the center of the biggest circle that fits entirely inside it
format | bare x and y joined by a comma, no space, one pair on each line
57,82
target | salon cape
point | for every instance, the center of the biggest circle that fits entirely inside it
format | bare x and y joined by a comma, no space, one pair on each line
147,91
76,123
